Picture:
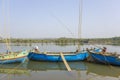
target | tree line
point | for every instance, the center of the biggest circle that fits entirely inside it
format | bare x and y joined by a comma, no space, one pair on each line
63,40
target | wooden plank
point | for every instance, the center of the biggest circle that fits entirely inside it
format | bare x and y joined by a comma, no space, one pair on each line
59,54
65,62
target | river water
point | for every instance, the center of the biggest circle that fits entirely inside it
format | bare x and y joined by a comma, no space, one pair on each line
81,70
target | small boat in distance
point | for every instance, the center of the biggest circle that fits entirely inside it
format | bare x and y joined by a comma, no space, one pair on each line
13,57
105,57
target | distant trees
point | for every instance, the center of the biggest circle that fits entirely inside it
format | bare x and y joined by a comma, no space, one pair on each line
113,41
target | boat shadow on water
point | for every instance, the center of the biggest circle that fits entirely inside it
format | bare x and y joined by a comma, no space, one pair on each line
103,70
41,66
16,69
57,70
100,69
80,70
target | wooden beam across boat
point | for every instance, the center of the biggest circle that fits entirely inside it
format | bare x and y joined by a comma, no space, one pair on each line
58,53
65,62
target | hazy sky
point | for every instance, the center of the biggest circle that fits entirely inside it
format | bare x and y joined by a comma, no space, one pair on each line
59,18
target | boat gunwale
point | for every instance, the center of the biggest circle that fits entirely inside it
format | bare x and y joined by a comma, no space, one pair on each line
13,58
58,53
106,54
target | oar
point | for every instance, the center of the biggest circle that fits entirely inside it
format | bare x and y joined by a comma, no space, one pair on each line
65,62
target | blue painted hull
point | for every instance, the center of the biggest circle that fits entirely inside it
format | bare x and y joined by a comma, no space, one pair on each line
15,60
14,57
106,59
55,58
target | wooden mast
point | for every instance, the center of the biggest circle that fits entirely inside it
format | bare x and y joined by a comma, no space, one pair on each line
6,20
80,24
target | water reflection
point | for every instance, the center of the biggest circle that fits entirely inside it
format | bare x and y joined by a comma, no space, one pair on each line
13,69
53,71
80,70
55,66
103,70
57,71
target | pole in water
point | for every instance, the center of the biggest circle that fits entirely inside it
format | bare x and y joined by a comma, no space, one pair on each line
65,62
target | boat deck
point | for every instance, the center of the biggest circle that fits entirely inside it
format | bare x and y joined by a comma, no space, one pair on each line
58,53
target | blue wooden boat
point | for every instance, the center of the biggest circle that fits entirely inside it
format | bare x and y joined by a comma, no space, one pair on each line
13,57
105,58
55,56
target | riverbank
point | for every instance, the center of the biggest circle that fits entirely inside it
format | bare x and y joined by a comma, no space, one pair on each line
107,41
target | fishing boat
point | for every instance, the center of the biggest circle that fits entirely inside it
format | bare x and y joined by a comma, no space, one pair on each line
78,55
55,56
105,57
13,57
9,56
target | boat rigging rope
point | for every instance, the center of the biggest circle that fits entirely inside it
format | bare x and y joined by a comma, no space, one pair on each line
63,24
6,21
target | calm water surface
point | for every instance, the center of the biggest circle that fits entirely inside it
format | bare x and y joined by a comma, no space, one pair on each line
33,70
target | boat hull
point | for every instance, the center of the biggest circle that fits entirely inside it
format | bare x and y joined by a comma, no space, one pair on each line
106,59
14,57
55,58
15,60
